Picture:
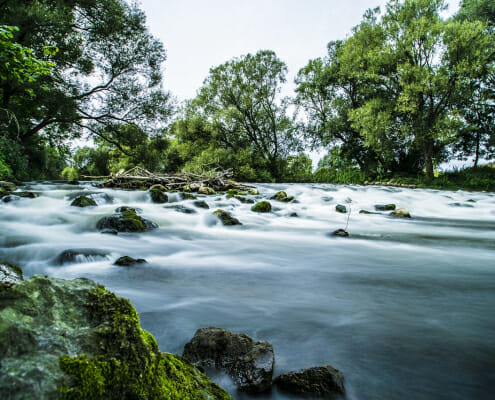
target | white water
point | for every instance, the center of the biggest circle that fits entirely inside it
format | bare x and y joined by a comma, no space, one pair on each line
404,308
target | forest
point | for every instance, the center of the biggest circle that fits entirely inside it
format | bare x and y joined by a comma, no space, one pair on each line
406,91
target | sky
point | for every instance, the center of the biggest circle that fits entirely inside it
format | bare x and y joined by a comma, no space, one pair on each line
200,34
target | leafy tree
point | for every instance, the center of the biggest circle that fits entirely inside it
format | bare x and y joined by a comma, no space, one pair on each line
106,73
240,108
298,168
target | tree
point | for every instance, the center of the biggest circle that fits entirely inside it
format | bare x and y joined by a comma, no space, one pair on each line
240,105
105,74
424,65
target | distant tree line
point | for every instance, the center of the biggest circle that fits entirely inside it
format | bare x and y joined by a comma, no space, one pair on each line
406,91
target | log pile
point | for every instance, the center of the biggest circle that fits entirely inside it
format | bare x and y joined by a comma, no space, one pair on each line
139,178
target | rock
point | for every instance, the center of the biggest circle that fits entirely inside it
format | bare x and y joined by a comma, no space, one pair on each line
206,190
10,198
8,186
293,215
282,196
76,340
248,362
125,208
201,204
126,261
158,195
226,218
83,201
99,197
253,192
127,221
110,231
158,186
26,195
234,192
262,207
340,232
72,255
461,205
188,196
10,274
341,208
327,199
182,209
400,213
385,207
366,212
244,200
324,382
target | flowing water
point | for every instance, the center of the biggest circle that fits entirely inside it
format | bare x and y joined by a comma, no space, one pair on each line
403,307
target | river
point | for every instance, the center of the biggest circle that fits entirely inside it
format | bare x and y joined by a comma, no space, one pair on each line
403,307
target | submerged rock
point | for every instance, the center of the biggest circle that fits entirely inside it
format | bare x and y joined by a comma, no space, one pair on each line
226,218
158,196
127,221
188,196
10,274
125,208
126,261
341,208
99,197
8,186
385,207
244,200
324,382
400,213
76,340
26,195
201,204
182,209
282,196
248,362
262,207
83,201
71,255
340,232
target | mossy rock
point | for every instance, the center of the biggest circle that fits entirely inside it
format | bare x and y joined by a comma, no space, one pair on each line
127,221
253,192
83,201
206,190
201,204
234,193
244,200
282,196
26,195
76,340
182,209
385,207
340,208
400,213
126,261
262,207
158,196
8,186
188,196
226,218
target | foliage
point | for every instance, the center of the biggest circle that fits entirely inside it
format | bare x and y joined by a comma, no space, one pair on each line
298,168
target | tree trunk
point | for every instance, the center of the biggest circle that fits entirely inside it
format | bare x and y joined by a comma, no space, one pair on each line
428,155
477,152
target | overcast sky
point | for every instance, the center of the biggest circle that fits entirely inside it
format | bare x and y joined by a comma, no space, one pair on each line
200,34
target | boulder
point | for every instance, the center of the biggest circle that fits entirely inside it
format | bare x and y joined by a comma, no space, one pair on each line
341,208
253,192
10,198
201,204
83,201
188,196
323,382
206,190
99,197
125,208
400,213
248,362
8,186
126,261
72,255
385,207
158,186
262,207
158,196
126,221
182,209
226,218
76,340
10,274
26,195
244,200
282,196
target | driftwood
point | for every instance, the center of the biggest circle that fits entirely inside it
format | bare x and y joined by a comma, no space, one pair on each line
138,177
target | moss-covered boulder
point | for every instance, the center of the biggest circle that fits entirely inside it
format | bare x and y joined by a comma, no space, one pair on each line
188,196
83,201
158,195
253,192
201,204
226,218
247,361
206,190
126,221
7,186
323,382
76,340
10,273
182,209
340,208
385,207
400,213
244,200
127,261
262,207
282,196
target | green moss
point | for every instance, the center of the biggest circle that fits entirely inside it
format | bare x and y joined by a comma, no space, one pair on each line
385,207
83,201
262,207
135,222
341,208
129,364
282,196
188,196
226,218
158,195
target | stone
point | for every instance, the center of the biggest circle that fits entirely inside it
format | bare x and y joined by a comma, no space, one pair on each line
158,186
282,196
72,255
385,207
248,362
244,200
293,215
126,261
76,340
10,274
262,207
126,221
8,186
206,190
158,196
182,209
83,201
323,382
226,218
99,197
201,204
188,196
10,198
26,195
125,208
253,192
400,213
340,232
341,208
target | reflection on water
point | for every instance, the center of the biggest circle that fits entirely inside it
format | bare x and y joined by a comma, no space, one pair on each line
404,308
